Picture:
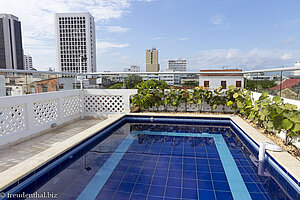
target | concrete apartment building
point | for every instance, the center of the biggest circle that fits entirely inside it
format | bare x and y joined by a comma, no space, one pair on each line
75,42
11,47
216,78
178,65
28,63
152,60
132,68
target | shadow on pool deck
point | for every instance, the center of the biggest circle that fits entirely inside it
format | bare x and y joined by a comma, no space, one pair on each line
11,156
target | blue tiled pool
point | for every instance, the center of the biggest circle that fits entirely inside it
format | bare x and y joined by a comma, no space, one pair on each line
202,159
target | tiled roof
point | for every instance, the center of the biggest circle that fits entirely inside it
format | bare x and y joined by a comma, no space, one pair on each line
222,70
286,84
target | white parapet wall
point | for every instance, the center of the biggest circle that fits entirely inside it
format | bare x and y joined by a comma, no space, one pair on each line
22,117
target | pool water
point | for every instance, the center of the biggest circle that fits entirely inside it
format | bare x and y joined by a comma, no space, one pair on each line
159,161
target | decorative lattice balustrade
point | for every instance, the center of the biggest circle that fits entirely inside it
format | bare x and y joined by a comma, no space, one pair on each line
12,119
45,111
104,104
24,116
72,106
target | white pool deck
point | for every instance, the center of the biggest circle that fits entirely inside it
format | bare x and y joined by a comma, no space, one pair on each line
19,160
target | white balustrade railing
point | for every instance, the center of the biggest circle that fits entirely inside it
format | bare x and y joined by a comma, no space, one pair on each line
22,117
102,102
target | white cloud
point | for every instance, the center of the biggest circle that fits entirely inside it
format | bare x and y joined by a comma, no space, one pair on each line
289,40
218,19
237,58
115,29
286,56
157,38
125,57
104,45
182,38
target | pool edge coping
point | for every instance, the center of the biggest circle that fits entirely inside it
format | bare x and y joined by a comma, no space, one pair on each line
28,166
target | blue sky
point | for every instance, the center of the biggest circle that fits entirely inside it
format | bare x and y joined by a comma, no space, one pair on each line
208,33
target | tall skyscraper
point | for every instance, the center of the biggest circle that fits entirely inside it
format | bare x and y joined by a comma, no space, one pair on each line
11,48
28,64
152,60
177,65
75,42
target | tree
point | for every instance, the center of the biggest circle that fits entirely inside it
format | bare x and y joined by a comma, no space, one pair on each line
132,80
259,84
191,83
116,86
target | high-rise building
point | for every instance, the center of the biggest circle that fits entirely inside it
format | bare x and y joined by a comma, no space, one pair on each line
75,42
28,64
11,48
152,60
177,65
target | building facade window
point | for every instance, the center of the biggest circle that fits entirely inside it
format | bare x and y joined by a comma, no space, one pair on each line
223,84
238,84
44,88
206,84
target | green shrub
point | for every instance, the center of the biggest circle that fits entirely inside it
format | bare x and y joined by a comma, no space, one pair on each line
271,114
116,86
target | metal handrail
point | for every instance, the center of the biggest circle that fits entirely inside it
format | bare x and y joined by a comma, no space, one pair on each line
151,73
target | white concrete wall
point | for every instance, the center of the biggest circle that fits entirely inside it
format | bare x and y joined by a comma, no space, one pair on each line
2,86
215,81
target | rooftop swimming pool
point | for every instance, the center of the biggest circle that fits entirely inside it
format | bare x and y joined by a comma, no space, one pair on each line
143,157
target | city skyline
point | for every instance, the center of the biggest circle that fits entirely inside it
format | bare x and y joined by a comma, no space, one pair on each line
216,34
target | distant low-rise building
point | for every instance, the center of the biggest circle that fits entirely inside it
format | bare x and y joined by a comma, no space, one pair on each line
177,65
259,76
224,78
133,68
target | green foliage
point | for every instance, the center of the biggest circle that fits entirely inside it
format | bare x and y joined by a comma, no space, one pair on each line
259,85
271,114
150,94
116,86
191,83
132,80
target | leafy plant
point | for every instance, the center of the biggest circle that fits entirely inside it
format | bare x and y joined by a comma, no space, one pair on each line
218,98
172,98
198,96
116,86
132,80
150,94
271,114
